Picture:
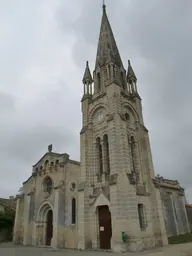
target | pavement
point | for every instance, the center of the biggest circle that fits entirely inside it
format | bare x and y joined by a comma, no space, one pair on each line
9,249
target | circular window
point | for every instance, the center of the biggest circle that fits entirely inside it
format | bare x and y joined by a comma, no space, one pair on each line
47,185
127,116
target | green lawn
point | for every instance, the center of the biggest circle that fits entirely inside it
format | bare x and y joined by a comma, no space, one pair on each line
185,238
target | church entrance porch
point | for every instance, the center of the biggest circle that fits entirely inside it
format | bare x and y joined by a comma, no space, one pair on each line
105,229
44,228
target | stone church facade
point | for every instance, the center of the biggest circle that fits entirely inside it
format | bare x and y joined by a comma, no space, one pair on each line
111,199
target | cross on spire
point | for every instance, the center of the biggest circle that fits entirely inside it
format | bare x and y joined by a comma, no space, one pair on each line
104,6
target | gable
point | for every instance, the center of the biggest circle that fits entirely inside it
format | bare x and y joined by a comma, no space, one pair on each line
101,200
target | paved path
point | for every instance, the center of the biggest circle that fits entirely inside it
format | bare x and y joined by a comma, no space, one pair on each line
8,249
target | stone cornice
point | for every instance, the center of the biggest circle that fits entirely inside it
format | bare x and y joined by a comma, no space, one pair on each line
98,96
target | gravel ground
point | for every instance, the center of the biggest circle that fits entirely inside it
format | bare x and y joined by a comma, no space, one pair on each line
9,249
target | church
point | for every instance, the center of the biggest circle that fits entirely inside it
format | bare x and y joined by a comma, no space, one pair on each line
111,199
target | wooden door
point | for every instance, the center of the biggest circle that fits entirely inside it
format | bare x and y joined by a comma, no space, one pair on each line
105,228
49,231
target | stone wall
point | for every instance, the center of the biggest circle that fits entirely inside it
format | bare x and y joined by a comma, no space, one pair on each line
18,231
189,215
173,202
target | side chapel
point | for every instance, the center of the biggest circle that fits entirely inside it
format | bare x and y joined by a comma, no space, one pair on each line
111,199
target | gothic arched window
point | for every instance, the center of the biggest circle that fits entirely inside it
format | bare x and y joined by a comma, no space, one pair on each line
98,81
73,211
132,145
142,216
99,155
47,185
46,163
57,162
106,153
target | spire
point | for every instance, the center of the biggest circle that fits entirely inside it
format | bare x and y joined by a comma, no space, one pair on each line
87,81
132,81
87,75
107,48
130,73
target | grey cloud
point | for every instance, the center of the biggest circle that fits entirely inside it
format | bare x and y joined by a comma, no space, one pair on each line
7,103
154,34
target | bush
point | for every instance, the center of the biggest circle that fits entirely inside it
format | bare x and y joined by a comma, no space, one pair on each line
6,225
185,238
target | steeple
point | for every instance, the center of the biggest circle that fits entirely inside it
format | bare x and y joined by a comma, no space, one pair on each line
87,81
87,75
132,81
130,73
107,50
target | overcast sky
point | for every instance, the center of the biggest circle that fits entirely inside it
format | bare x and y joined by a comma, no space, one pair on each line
43,48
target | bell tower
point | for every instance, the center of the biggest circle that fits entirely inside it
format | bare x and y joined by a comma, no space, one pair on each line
116,162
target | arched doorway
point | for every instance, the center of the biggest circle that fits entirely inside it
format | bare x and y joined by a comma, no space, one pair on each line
49,228
44,228
105,229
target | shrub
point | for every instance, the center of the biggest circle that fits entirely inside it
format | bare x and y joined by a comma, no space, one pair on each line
6,225
184,238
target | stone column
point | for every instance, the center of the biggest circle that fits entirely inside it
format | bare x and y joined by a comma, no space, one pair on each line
95,163
58,215
29,206
27,237
174,214
185,219
157,217
16,230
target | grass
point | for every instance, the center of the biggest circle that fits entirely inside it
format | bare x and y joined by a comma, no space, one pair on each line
185,238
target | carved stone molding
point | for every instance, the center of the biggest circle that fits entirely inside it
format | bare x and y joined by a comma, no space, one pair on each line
34,174
110,117
60,185
113,179
156,183
96,192
81,186
126,95
19,196
32,191
122,116
83,129
61,164
141,190
181,193
132,178
98,96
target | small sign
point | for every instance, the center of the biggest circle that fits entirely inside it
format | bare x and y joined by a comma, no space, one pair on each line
101,228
